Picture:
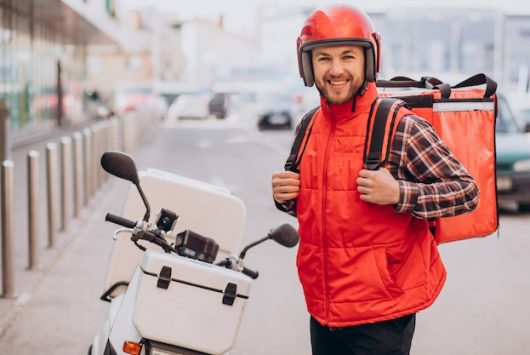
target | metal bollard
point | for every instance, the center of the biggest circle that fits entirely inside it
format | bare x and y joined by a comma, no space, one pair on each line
78,172
66,168
94,153
98,173
87,134
5,146
106,146
8,271
116,142
33,208
51,173
126,134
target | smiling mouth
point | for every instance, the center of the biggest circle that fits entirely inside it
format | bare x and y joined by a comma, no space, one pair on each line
337,82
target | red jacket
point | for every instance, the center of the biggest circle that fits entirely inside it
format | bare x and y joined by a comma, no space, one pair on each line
358,262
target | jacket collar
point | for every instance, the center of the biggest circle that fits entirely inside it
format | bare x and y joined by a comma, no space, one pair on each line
350,109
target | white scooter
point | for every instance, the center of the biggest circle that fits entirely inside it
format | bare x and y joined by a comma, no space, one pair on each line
176,293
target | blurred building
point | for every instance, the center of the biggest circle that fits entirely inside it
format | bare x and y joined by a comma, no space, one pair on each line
45,46
449,41
171,57
210,52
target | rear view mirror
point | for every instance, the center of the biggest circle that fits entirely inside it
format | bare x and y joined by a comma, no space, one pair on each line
120,165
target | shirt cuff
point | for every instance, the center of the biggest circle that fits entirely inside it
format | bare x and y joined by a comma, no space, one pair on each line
288,207
408,197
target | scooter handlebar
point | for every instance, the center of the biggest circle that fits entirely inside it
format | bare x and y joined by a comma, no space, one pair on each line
120,220
250,273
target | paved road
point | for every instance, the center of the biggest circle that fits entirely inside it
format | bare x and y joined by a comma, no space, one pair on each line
484,308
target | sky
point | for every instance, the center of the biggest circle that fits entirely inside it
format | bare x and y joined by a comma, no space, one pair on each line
240,15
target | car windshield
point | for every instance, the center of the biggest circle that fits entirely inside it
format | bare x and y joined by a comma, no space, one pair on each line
505,118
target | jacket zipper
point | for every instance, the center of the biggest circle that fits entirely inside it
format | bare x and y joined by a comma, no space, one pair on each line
324,239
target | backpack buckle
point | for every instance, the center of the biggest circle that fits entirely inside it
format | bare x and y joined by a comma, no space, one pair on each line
372,164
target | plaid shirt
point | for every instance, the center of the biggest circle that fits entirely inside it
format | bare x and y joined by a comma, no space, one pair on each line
432,181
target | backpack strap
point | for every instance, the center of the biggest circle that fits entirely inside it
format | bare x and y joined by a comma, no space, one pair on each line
293,161
379,132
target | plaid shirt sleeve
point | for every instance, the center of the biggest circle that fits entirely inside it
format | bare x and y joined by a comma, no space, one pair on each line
432,182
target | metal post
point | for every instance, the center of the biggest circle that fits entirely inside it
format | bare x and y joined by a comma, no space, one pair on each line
8,274
87,134
33,208
78,172
126,133
96,134
66,168
51,172
107,146
5,148
93,153
116,141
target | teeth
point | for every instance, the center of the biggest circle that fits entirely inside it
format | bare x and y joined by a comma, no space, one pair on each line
335,82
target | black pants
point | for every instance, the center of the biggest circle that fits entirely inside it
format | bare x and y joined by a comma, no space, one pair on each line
391,337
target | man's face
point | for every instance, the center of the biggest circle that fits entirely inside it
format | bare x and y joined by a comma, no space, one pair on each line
338,72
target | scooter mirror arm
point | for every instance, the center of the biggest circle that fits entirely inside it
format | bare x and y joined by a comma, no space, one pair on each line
251,245
146,203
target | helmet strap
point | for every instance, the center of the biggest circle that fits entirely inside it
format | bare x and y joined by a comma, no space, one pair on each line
360,92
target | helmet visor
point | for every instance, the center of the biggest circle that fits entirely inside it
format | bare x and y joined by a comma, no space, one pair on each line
361,42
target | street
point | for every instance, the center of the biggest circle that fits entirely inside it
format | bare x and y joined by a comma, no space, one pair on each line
483,309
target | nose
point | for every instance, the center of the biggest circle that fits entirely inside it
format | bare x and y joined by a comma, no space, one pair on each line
336,68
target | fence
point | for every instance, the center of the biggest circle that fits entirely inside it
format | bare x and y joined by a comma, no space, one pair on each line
73,177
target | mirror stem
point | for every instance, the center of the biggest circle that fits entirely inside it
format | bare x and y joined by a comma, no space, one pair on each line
244,251
146,203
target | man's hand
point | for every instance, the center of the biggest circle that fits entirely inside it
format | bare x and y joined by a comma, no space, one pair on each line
285,186
378,186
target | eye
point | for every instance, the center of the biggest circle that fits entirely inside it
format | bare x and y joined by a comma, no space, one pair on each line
349,57
323,59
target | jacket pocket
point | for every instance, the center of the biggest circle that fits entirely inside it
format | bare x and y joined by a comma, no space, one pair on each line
359,274
381,261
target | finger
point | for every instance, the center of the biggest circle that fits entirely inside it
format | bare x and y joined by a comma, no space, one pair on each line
286,183
364,190
291,182
285,189
365,198
366,173
286,175
290,196
364,182
281,198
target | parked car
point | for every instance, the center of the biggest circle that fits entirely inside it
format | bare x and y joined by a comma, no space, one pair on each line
233,106
189,106
276,110
220,104
513,158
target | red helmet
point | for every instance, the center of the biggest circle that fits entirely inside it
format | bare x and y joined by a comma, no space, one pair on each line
338,25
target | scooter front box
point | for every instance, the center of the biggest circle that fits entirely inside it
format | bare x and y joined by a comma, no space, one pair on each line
189,303
209,210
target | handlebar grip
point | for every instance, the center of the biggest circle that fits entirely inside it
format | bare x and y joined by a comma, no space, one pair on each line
250,273
119,220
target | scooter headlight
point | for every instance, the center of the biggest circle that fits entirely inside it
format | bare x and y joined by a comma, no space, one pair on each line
156,348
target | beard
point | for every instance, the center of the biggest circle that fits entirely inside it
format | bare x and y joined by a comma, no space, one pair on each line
334,96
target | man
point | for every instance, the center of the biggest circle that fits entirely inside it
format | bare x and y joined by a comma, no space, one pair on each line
367,260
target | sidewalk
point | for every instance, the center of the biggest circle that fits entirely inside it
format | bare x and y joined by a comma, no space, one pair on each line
26,281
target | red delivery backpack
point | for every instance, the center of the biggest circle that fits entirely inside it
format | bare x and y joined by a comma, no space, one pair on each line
462,115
